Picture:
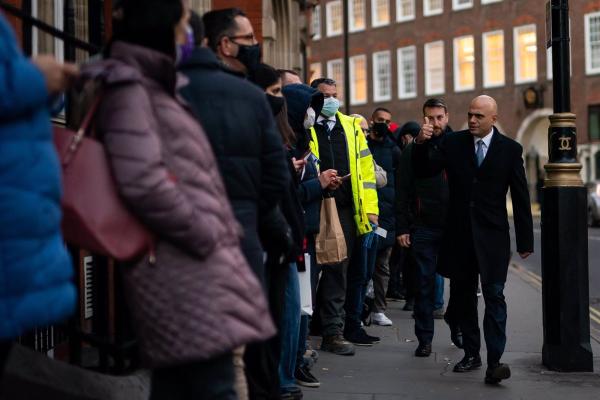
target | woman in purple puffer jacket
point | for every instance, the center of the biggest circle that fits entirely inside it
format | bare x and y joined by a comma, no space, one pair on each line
195,299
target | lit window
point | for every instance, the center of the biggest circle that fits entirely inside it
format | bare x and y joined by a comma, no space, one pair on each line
461,4
335,22
493,59
357,15
405,10
380,12
315,72
592,43
335,71
407,72
464,63
382,76
525,47
433,7
434,68
316,23
358,79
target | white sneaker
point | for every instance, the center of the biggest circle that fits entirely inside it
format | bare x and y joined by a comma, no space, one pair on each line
379,318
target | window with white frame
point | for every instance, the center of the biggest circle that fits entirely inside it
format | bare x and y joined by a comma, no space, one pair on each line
434,68
405,10
335,21
493,59
407,72
358,79
433,7
464,63
316,23
382,76
461,4
525,53
51,12
380,12
335,71
358,15
592,43
315,72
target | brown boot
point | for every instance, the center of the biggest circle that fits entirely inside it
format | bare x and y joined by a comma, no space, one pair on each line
336,344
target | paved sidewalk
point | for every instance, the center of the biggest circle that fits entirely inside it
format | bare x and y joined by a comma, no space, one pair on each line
389,371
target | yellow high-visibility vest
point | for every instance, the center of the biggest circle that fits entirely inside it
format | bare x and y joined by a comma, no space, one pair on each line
364,191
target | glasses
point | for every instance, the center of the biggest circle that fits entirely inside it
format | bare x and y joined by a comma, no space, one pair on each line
249,36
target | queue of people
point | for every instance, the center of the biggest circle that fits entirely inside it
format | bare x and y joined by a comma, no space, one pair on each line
227,162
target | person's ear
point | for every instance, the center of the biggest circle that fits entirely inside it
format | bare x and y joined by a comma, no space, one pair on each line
226,47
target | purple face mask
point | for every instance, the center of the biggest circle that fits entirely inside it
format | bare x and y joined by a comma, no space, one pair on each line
184,51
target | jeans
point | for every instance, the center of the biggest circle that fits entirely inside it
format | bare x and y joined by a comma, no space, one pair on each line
289,330
438,303
381,278
302,338
209,380
425,245
360,271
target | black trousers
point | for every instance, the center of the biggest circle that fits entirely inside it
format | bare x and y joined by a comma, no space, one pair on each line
331,289
207,380
262,358
463,293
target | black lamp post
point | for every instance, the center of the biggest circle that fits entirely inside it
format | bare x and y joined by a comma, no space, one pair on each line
565,288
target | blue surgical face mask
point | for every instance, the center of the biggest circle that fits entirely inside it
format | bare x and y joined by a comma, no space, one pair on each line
331,105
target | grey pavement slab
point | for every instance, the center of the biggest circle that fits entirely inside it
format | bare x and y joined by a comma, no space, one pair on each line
389,370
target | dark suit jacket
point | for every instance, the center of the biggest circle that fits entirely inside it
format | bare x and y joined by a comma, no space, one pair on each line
477,216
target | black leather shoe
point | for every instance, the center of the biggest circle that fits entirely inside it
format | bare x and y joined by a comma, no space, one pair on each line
409,305
455,333
496,373
424,350
468,363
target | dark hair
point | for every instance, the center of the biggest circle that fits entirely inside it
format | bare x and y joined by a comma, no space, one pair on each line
435,103
220,23
322,81
381,109
198,27
282,72
150,23
286,131
265,76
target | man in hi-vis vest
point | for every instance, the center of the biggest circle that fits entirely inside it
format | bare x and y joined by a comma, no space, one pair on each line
339,143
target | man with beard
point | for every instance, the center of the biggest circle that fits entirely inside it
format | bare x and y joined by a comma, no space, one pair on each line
421,214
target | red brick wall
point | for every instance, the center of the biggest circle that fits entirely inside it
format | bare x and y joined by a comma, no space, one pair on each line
252,8
505,15
15,22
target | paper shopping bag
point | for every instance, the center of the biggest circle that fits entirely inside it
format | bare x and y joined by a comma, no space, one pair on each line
330,241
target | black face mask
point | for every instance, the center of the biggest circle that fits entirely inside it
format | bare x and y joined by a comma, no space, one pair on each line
276,103
249,56
380,129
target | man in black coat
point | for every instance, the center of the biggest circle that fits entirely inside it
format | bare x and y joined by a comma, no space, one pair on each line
482,164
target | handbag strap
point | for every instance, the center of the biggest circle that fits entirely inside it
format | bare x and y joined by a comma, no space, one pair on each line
80,134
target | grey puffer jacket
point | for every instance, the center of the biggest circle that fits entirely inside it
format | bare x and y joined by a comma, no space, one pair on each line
199,299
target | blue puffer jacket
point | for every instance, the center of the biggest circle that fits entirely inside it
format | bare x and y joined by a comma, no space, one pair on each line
35,267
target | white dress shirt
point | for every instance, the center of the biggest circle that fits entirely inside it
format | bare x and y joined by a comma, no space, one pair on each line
330,121
487,139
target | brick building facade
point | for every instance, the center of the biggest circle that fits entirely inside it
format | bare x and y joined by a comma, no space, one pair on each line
403,51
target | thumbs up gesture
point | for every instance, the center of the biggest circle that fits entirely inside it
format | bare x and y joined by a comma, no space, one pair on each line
426,131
